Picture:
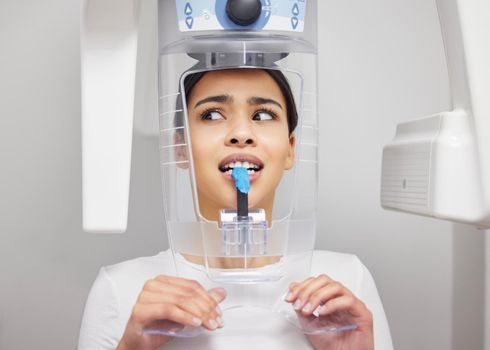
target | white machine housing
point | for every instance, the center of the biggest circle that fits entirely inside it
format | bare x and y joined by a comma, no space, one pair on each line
439,165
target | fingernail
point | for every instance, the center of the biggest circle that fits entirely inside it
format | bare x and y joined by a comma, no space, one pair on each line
297,304
218,310
196,321
317,311
213,324
307,307
220,321
289,296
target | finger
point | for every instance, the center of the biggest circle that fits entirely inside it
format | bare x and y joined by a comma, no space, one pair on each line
183,282
347,303
289,295
303,294
218,294
156,286
294,288
176,298
322,295
145,314
203,309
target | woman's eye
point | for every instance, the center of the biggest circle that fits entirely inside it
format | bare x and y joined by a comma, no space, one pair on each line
212,115
263,116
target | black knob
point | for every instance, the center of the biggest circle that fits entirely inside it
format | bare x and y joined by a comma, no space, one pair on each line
243,12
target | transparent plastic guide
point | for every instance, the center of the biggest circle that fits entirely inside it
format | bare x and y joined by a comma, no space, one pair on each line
294,203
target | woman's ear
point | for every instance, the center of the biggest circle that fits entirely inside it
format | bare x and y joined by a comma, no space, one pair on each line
181,151
290,157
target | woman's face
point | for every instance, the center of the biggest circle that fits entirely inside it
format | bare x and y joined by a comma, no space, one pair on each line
238,115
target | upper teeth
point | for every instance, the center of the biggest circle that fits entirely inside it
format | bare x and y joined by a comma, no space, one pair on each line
242,164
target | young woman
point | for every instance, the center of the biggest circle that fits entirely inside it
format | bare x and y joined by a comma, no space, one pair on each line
234,115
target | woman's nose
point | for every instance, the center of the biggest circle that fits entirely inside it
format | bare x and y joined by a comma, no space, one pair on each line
241,136
241,142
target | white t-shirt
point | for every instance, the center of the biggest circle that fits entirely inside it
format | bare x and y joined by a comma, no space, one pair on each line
117,287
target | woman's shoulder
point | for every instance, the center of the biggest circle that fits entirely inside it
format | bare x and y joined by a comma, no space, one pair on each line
122,282
140,269
343,267
337,257
335,260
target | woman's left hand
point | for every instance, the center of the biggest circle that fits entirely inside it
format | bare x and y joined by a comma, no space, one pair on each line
323,297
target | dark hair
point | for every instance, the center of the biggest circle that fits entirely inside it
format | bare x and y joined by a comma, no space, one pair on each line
292,114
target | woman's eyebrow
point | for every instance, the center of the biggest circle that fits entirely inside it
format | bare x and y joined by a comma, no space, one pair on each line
261,101
217,98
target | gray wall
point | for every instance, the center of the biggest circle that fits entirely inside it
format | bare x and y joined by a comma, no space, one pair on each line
381,62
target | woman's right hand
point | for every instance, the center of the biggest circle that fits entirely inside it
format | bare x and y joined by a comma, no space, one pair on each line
174,299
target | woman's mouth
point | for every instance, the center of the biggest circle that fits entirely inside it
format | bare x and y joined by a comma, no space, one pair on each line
253,165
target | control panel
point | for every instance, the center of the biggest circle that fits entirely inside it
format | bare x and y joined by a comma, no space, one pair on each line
274,15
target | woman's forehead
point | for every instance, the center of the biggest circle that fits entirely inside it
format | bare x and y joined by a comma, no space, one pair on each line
238,82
